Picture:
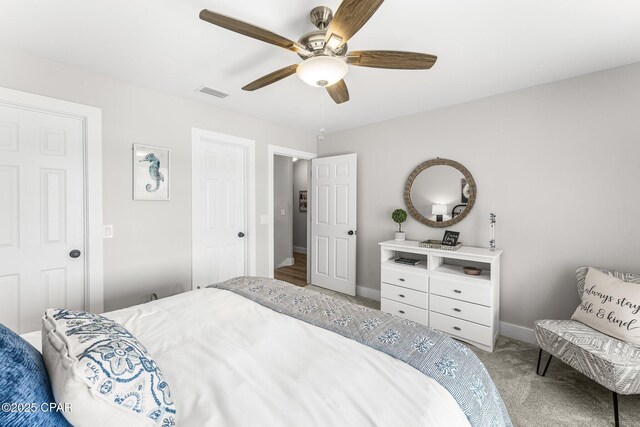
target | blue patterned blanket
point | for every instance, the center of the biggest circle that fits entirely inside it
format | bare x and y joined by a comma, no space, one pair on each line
431,352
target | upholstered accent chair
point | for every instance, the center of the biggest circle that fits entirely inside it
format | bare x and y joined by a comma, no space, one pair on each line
610,362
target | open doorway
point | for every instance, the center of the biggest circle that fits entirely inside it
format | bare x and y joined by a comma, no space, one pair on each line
290,219
290,215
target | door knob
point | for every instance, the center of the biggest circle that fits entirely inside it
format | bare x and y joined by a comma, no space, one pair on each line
351,233
74,253
241,234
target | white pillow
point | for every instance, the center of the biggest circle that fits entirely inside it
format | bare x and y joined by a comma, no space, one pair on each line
104,372
611,306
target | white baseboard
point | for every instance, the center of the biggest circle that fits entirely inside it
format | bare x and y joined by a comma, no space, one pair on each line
517,332
287,263
300,249
361,291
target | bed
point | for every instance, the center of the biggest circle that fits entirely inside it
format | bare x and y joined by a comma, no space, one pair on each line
256,351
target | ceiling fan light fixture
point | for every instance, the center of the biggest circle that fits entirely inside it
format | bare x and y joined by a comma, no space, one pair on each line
321,71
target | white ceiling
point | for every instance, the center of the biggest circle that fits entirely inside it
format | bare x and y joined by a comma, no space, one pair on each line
483,47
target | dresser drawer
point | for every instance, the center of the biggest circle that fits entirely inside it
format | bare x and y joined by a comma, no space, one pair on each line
410,312
465,290
407,279
460,309
404,295
461,328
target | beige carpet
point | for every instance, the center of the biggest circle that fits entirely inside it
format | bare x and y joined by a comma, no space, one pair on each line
562,398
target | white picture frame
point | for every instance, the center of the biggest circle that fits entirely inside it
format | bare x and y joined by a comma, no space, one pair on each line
150,173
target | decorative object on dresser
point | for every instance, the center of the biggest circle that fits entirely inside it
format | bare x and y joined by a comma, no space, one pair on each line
407,261
609,361
437,244
439,294
399,216
450,238
150,173
472,271
492,231
433,186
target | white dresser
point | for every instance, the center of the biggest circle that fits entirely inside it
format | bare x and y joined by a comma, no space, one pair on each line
438,293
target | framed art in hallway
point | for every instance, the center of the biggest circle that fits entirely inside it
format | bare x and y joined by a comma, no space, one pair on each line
150,172
302,201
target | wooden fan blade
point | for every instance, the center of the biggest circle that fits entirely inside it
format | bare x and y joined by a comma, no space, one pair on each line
391,59
252,31
271,78
339,92
350,17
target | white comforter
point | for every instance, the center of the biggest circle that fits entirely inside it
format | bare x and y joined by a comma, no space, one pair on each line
232,362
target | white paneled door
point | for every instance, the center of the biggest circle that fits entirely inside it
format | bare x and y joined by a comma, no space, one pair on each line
41,216
333,223
219,209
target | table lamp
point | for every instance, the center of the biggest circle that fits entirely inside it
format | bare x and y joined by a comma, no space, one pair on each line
439,211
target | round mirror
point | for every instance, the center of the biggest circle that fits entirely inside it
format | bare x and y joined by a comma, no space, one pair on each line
440,193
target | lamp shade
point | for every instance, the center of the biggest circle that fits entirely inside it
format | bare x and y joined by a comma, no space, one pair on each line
322,71
439,210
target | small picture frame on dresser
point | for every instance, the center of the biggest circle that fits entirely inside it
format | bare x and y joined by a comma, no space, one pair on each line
450,238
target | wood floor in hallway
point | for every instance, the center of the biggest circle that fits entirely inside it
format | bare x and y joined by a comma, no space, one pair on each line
295,274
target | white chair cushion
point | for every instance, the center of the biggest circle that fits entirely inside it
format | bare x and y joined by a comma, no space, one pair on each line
611,362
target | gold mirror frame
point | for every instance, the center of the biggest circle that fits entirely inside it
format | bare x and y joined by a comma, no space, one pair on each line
439,162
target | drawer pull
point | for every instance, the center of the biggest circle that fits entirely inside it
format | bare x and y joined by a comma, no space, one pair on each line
401,296
456,328
401,279
457,309
401,311
457,291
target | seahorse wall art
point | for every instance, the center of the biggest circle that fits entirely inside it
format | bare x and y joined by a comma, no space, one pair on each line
154,172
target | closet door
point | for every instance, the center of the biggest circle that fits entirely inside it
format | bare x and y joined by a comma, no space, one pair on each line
42,229
219,208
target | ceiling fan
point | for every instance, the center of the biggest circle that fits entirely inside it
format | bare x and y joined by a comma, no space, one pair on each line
324,52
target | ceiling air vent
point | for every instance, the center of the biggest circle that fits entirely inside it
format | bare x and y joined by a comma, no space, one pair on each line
213,92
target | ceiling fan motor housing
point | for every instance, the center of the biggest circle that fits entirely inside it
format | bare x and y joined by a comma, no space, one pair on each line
315,41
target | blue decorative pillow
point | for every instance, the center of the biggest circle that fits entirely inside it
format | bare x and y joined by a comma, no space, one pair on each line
104,371
25,391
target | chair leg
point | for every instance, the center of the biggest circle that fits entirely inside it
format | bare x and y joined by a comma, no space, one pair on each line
615,409
546,366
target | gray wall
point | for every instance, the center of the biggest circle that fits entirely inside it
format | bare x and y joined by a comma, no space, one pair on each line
559,164
300,178
151,250
282,201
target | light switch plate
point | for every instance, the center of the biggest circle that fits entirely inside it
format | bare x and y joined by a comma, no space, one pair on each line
107,231
283,212
264,219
